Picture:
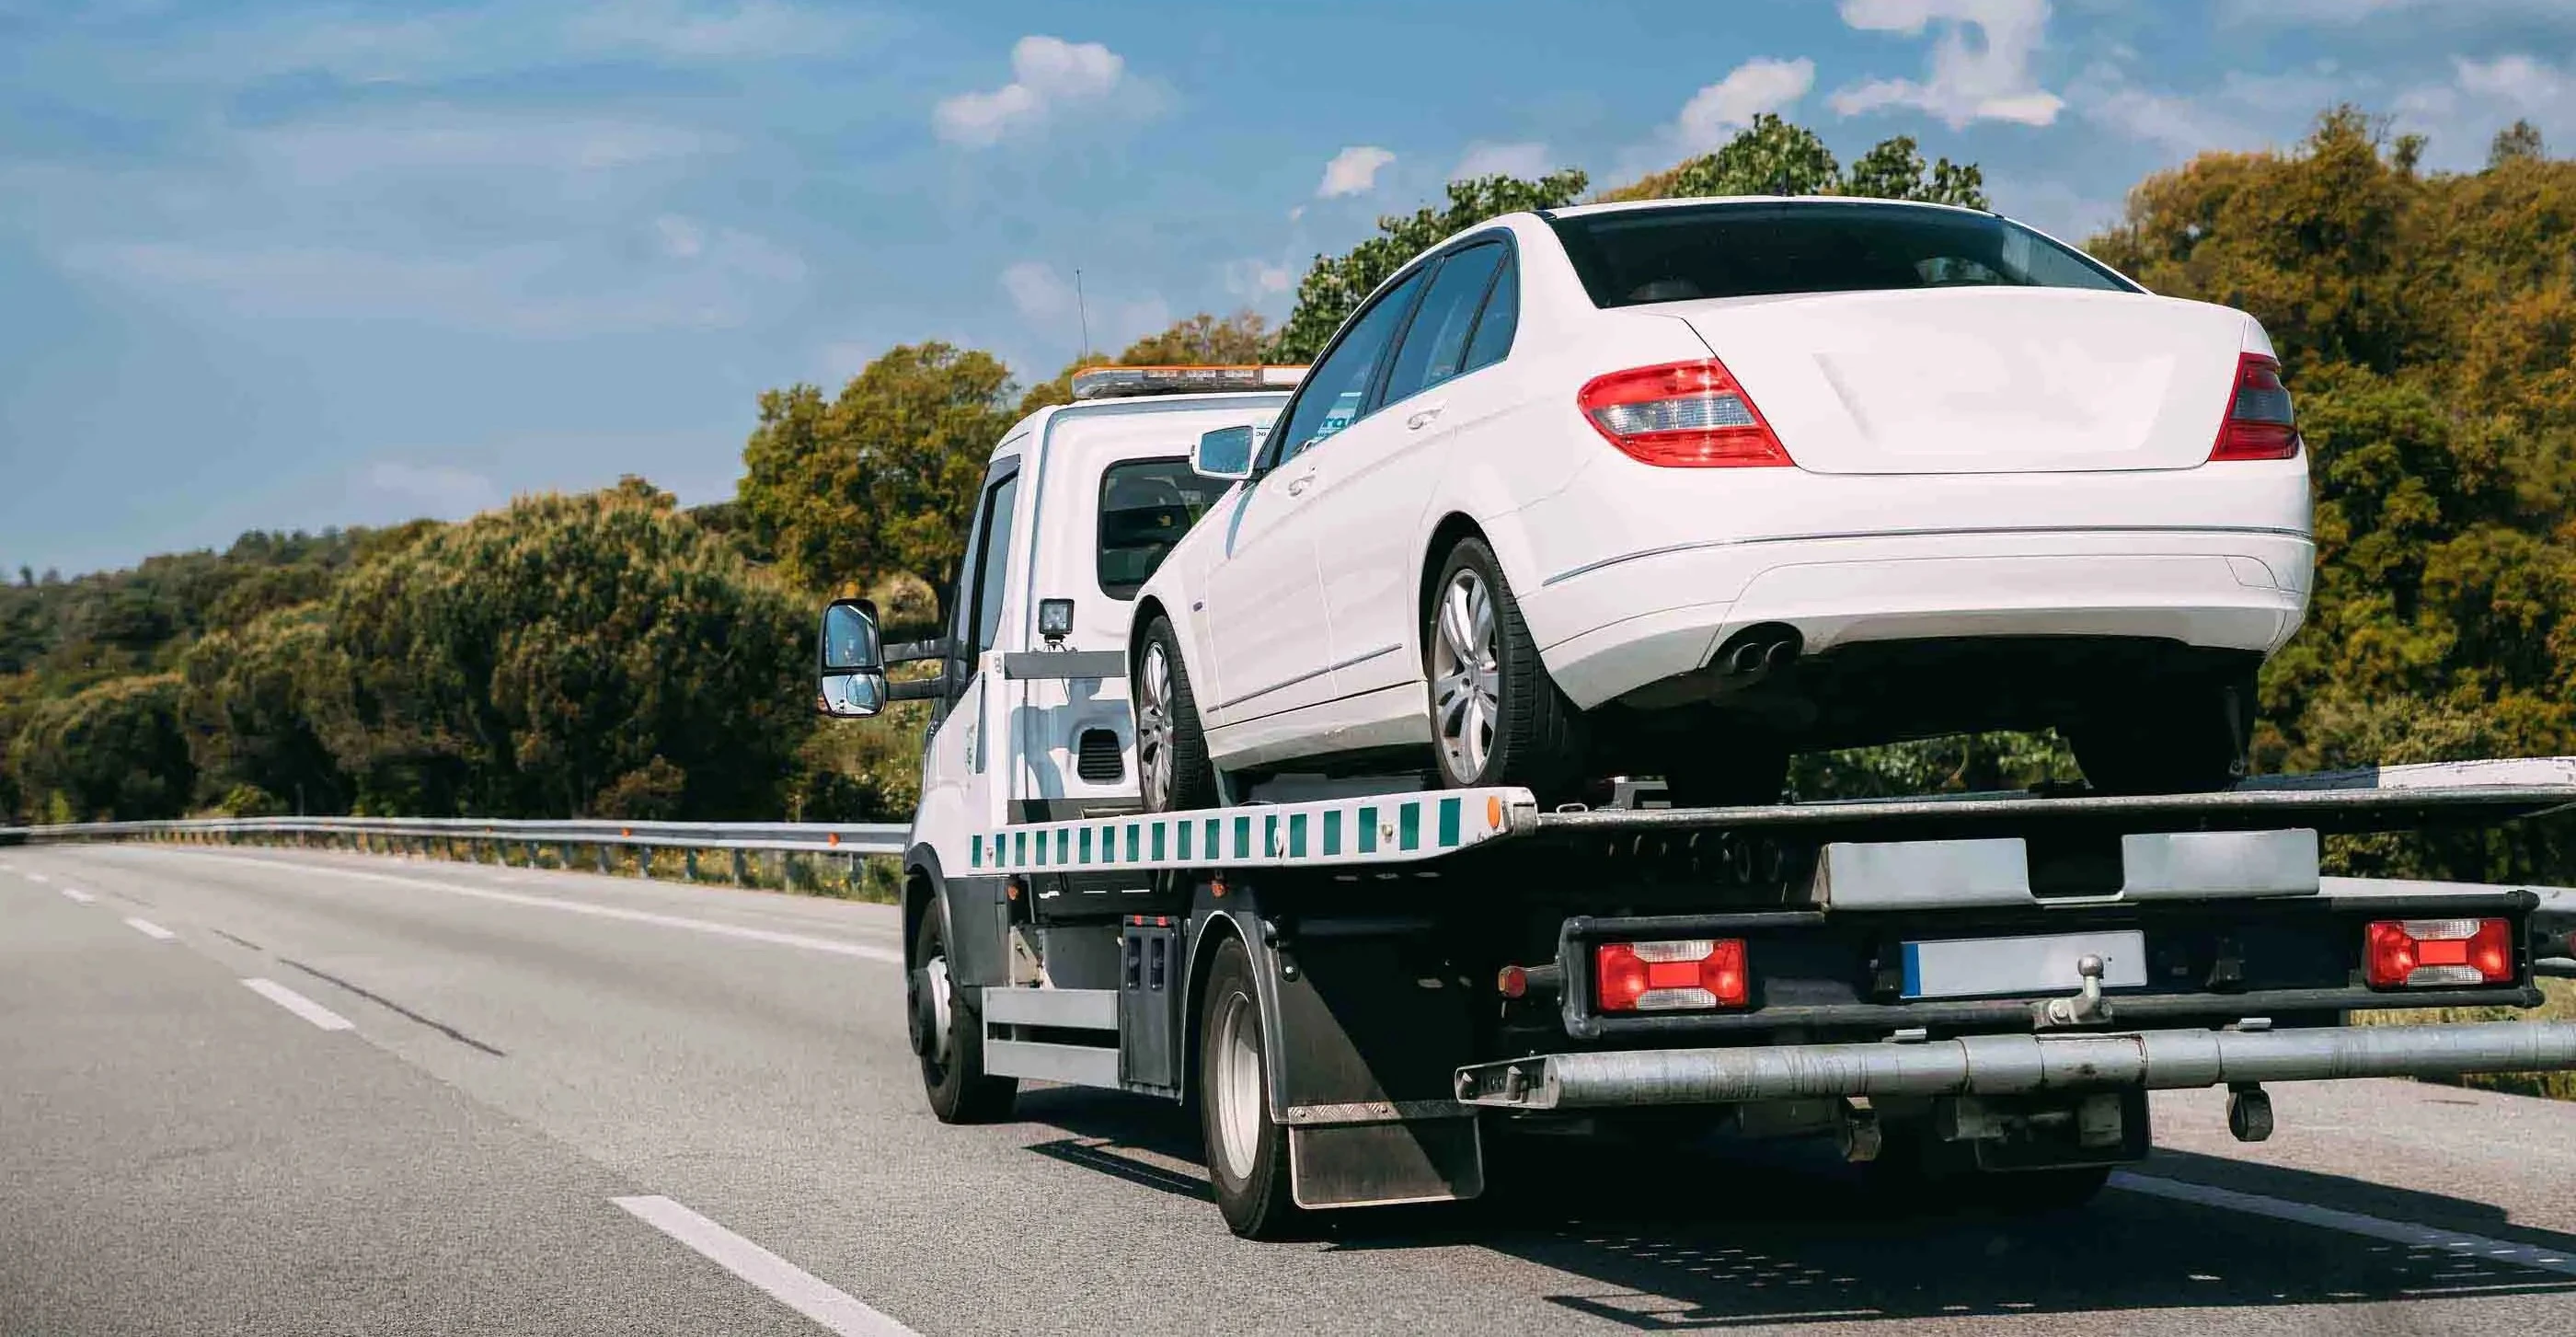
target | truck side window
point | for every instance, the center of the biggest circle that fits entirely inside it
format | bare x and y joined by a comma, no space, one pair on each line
1145,508
979,584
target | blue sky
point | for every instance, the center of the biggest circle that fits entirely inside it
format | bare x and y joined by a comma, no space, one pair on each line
290,265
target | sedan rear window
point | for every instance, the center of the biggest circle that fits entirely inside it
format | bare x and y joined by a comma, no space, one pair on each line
1145,508
1636,257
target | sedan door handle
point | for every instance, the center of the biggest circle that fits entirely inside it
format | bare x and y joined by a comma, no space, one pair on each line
1422,417
1297,486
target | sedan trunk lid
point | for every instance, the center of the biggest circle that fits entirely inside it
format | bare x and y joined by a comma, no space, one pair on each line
1980,380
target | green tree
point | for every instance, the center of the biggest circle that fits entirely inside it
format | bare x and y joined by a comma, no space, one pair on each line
880,478
564,655
249,723
1893,170
112,752
1335,284
1776,157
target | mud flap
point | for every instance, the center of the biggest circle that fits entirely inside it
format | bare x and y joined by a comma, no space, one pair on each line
1382,1164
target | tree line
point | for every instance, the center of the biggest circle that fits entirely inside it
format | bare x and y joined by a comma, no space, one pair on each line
616,654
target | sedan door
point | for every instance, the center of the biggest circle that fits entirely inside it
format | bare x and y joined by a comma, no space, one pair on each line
1266,626
1369,519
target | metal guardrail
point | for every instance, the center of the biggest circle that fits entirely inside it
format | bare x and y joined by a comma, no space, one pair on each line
861,838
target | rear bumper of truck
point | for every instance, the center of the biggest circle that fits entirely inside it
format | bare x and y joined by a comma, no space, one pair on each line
2013,1064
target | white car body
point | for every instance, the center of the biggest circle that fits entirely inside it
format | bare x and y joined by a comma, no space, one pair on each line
1978,462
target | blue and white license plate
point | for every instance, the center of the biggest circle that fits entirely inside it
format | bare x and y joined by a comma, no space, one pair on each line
2004,967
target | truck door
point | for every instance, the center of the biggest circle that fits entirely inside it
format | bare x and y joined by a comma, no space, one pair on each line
963,768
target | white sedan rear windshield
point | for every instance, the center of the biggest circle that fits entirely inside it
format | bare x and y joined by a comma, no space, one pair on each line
1635,257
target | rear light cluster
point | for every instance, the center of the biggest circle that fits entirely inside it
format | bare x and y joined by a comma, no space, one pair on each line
1669,976
2260,424
2417,953
1685,415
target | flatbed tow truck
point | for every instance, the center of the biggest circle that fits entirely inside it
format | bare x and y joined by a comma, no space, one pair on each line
1359,987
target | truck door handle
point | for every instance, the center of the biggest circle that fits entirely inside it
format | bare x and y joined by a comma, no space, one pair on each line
1422,417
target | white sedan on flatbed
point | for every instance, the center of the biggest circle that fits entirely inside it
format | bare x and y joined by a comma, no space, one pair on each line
1680,488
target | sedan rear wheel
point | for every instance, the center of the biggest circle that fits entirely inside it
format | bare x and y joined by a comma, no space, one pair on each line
1172,769
1496,718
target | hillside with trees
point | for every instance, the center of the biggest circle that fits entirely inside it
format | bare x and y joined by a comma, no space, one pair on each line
614,653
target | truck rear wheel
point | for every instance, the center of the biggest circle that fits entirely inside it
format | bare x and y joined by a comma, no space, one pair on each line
1172,769
1496,717
949,1037
1247,1153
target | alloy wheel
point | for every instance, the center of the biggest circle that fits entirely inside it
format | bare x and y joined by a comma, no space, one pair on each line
1465,676
1154,727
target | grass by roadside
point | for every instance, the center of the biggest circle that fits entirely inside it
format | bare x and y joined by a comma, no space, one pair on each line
2559,1005
876,879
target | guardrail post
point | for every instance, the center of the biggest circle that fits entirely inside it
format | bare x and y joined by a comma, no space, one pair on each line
689,864
604,869
741,877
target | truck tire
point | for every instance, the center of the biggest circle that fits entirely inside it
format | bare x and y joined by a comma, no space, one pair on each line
952,1048
1496,717
2186,738
1172,768
1247,1153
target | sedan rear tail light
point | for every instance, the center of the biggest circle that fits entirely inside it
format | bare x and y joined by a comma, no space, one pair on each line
1685,415
1669,976
2417,953
2260,424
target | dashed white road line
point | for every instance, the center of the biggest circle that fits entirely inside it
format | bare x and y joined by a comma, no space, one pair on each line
149,929
789,1284
38,878
300,1005
804,941
2351,1223
77,894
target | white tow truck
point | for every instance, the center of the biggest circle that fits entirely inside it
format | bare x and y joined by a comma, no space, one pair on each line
1360,987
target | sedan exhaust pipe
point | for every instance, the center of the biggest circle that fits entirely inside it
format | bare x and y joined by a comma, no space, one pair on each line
1758,652
2014,1065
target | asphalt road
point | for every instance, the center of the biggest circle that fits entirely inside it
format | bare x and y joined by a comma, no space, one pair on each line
470,1099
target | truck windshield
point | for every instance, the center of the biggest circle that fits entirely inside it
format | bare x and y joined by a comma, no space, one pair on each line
1145,508
1636,257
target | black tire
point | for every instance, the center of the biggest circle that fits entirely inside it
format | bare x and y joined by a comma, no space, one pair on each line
2186,738
1172,769
959,1089
1251,1182
1535,738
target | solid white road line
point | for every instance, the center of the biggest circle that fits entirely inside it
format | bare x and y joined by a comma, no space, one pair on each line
804,941
149,929
299,1005
2351,1223
38,878
77,894
791,1285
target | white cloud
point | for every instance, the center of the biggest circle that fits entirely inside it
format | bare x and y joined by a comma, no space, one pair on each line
1353,171
1254,280
1988,80
2529,86
439,490
2242,111
2339,12
1525,160
1049,76
1715,113
682,238
1047,303
435,136
2460,116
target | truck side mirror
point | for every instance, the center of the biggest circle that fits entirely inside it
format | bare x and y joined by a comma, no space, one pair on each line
850,663
1225,453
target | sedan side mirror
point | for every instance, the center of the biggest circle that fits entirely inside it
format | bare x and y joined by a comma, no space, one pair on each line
1225,453
850,664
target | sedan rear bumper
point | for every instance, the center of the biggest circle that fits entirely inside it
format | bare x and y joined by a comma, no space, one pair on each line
1623,623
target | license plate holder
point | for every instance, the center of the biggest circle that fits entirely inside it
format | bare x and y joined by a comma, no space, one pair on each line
2022,966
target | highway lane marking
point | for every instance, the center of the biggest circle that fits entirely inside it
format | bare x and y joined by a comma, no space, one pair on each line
38,878
300,1005
149,929
785,1282
77,894
2351,1223
804,941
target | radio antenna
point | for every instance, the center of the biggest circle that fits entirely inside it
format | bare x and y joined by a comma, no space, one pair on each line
1085,313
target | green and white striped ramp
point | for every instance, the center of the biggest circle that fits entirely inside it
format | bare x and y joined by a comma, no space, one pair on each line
1386,828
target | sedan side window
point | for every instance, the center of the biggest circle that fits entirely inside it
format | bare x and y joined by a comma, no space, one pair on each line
1335,393
1493,338
1435,346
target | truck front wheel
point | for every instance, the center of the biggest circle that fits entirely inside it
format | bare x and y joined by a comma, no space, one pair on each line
1247,1153
950,1039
